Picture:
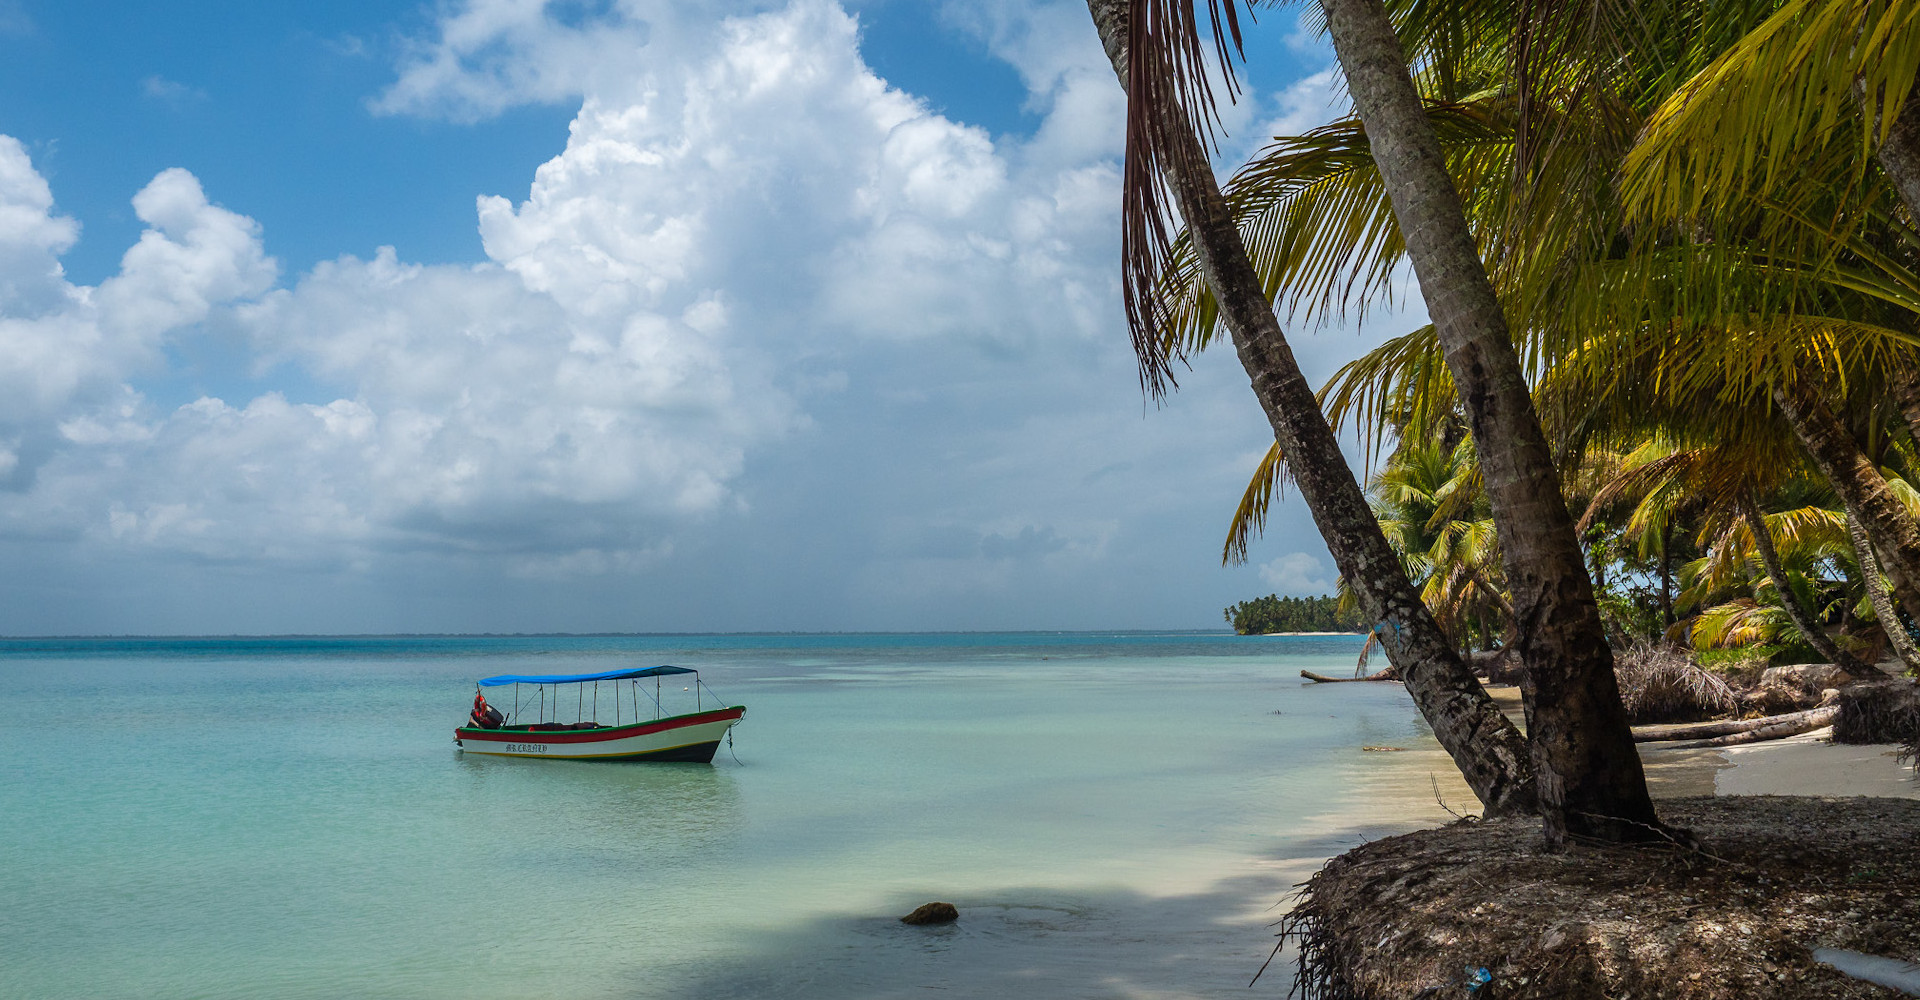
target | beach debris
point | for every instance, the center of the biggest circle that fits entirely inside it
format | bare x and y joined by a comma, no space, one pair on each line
1879,713
1802,722
932,913
1721,733
1809,677
1404,916
1498,666
1477,978
1892,973
1773,698
1663,684
1383,749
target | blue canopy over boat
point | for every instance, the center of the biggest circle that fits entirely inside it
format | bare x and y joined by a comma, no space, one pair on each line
610,675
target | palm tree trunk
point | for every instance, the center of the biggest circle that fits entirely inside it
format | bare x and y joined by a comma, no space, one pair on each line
1905,379
1862,489
1803,617
1876,585
1666,576
1899,155
1591,782
1489,750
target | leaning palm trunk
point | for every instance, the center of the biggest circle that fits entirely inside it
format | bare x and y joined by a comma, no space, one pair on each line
1876,585
1490,752
1862,489
1899,153
1802,616
1590,779
1905,379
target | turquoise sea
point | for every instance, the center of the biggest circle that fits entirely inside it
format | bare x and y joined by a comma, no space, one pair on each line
1115,814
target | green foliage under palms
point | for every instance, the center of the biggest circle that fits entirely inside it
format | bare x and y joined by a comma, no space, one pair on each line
1681,213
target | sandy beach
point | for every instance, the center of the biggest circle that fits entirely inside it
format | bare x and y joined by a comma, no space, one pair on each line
1810,765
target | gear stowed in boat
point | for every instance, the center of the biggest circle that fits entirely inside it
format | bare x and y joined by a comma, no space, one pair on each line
632,735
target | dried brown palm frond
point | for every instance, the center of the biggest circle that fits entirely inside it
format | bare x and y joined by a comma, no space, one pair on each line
1663,684
1170,105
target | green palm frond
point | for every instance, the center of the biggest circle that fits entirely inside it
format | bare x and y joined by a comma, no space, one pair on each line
1403,385
1250,518
1741,622
1318,224
1904,492
1744,123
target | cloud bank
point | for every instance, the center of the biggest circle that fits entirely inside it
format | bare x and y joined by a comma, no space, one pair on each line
750,249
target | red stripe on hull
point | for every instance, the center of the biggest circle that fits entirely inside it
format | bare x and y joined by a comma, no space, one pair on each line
557,736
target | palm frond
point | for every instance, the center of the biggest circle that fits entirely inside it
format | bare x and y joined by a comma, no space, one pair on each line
1250,518
1171,116
1743,124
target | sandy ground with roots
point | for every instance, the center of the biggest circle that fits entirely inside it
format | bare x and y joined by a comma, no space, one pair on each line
1804,844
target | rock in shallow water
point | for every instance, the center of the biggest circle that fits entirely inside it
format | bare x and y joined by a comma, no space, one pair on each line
932,913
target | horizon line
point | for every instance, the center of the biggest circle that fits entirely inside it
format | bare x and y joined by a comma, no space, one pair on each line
602,635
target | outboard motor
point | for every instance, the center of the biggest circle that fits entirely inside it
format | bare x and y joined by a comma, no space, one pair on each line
484,716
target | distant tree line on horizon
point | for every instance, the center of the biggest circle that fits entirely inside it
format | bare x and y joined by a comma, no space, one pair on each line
1274,613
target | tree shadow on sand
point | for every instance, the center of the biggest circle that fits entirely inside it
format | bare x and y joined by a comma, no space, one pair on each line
1027,942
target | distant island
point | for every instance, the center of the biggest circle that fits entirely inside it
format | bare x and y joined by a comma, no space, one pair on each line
1273,613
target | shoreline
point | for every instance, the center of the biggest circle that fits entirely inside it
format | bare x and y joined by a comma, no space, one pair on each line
1809,764
1215,922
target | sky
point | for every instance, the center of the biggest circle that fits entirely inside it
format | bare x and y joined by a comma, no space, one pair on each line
525,316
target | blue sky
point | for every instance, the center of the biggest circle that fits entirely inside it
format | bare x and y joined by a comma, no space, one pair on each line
497,315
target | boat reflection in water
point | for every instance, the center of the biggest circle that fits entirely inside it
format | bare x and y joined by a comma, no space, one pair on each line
633,734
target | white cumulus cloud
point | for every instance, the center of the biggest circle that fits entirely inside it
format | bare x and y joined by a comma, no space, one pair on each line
699,258
1298,573
764,311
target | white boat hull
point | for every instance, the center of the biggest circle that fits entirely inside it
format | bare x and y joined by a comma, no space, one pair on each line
692,737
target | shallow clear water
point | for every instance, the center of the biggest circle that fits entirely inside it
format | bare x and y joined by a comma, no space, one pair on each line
289,818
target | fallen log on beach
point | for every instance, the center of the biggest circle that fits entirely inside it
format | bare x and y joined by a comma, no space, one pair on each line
1733,727
1384,675
1805,722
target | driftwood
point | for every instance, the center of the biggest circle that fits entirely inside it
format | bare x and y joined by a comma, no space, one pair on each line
1807,723
1384,675
1735,727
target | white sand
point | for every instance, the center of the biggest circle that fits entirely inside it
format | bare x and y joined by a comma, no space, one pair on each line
1812,765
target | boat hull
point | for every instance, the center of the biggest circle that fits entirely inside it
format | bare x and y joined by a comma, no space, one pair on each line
690,738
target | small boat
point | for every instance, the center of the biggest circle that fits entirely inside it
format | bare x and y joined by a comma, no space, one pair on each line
633,735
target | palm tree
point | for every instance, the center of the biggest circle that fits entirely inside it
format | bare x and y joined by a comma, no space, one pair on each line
1591,777
1591,781
1789,597
1149,46
1878,598
1303,188
1429,504
1758,144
